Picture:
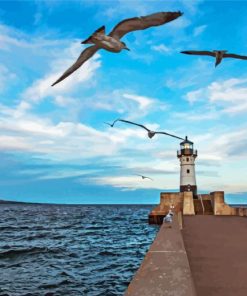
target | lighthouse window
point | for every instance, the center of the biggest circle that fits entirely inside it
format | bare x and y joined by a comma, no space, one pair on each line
187,159
188,171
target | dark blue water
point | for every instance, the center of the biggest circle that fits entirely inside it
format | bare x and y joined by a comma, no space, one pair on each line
71,250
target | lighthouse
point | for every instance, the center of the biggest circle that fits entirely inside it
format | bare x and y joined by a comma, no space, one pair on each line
187,156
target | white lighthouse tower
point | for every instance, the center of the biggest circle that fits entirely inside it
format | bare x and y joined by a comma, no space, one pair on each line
187,156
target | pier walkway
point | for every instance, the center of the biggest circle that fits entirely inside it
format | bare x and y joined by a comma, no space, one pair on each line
217,251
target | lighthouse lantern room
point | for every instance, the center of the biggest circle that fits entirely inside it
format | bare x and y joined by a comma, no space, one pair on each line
187,156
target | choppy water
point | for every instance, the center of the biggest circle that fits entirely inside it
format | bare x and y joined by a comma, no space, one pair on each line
71,250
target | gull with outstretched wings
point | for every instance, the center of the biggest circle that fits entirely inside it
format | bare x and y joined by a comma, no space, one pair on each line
112,41
217,54
145,177
150,133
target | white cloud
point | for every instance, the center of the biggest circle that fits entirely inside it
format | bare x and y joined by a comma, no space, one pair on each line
37,18
63,101
230,95
13,143
179,23
199,115
184,77
22,130
232,110
5,77
195,95
199,30
223,144
143,57
162,48
230,90
12,38
61,174
122,7
42,87
125,102
191,5
127,182
144,102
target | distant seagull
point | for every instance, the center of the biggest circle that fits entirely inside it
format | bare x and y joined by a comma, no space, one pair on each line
112,41
217,54
144,177
150,133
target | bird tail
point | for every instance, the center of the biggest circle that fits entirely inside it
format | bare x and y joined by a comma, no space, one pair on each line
101,30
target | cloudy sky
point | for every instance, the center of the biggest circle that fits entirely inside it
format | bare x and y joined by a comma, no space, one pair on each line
54,145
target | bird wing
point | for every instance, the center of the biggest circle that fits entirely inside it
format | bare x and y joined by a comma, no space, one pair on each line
112,124
198,52
143,22
164,133
236,56
115,121
84,56
134,124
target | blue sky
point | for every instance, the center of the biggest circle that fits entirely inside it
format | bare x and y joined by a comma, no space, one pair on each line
54,146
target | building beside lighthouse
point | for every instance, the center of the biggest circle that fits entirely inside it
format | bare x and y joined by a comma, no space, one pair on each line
187,156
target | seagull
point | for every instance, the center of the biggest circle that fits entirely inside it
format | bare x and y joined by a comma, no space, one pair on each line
168,218
144,177
150,133
112,42
217,54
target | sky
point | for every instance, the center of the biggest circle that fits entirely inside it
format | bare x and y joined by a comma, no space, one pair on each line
54,145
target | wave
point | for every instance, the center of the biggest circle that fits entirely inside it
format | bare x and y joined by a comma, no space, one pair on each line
93,254
17,252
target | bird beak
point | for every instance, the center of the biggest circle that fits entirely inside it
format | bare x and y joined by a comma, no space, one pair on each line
126,48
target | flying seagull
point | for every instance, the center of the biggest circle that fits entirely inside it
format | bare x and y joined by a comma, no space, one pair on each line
144,177
150,133
112,42
217,54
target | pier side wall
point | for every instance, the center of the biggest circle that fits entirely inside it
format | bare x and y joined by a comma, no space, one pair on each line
165,269
219,205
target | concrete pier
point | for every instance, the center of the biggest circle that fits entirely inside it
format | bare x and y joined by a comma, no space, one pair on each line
217,252
165,269
204,253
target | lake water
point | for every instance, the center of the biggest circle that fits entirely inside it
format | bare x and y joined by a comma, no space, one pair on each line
71,250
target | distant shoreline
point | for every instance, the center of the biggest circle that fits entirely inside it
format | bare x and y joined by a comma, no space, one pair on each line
10,202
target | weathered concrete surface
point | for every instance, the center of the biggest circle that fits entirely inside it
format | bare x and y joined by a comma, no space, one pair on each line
165,269
180,220
183,201
166,200
219,205
217,250
188,205
171,198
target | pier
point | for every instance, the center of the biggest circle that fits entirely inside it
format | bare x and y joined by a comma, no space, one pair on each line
165,270
203,253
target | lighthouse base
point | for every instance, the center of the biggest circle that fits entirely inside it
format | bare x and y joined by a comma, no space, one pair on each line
189,188
185,203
